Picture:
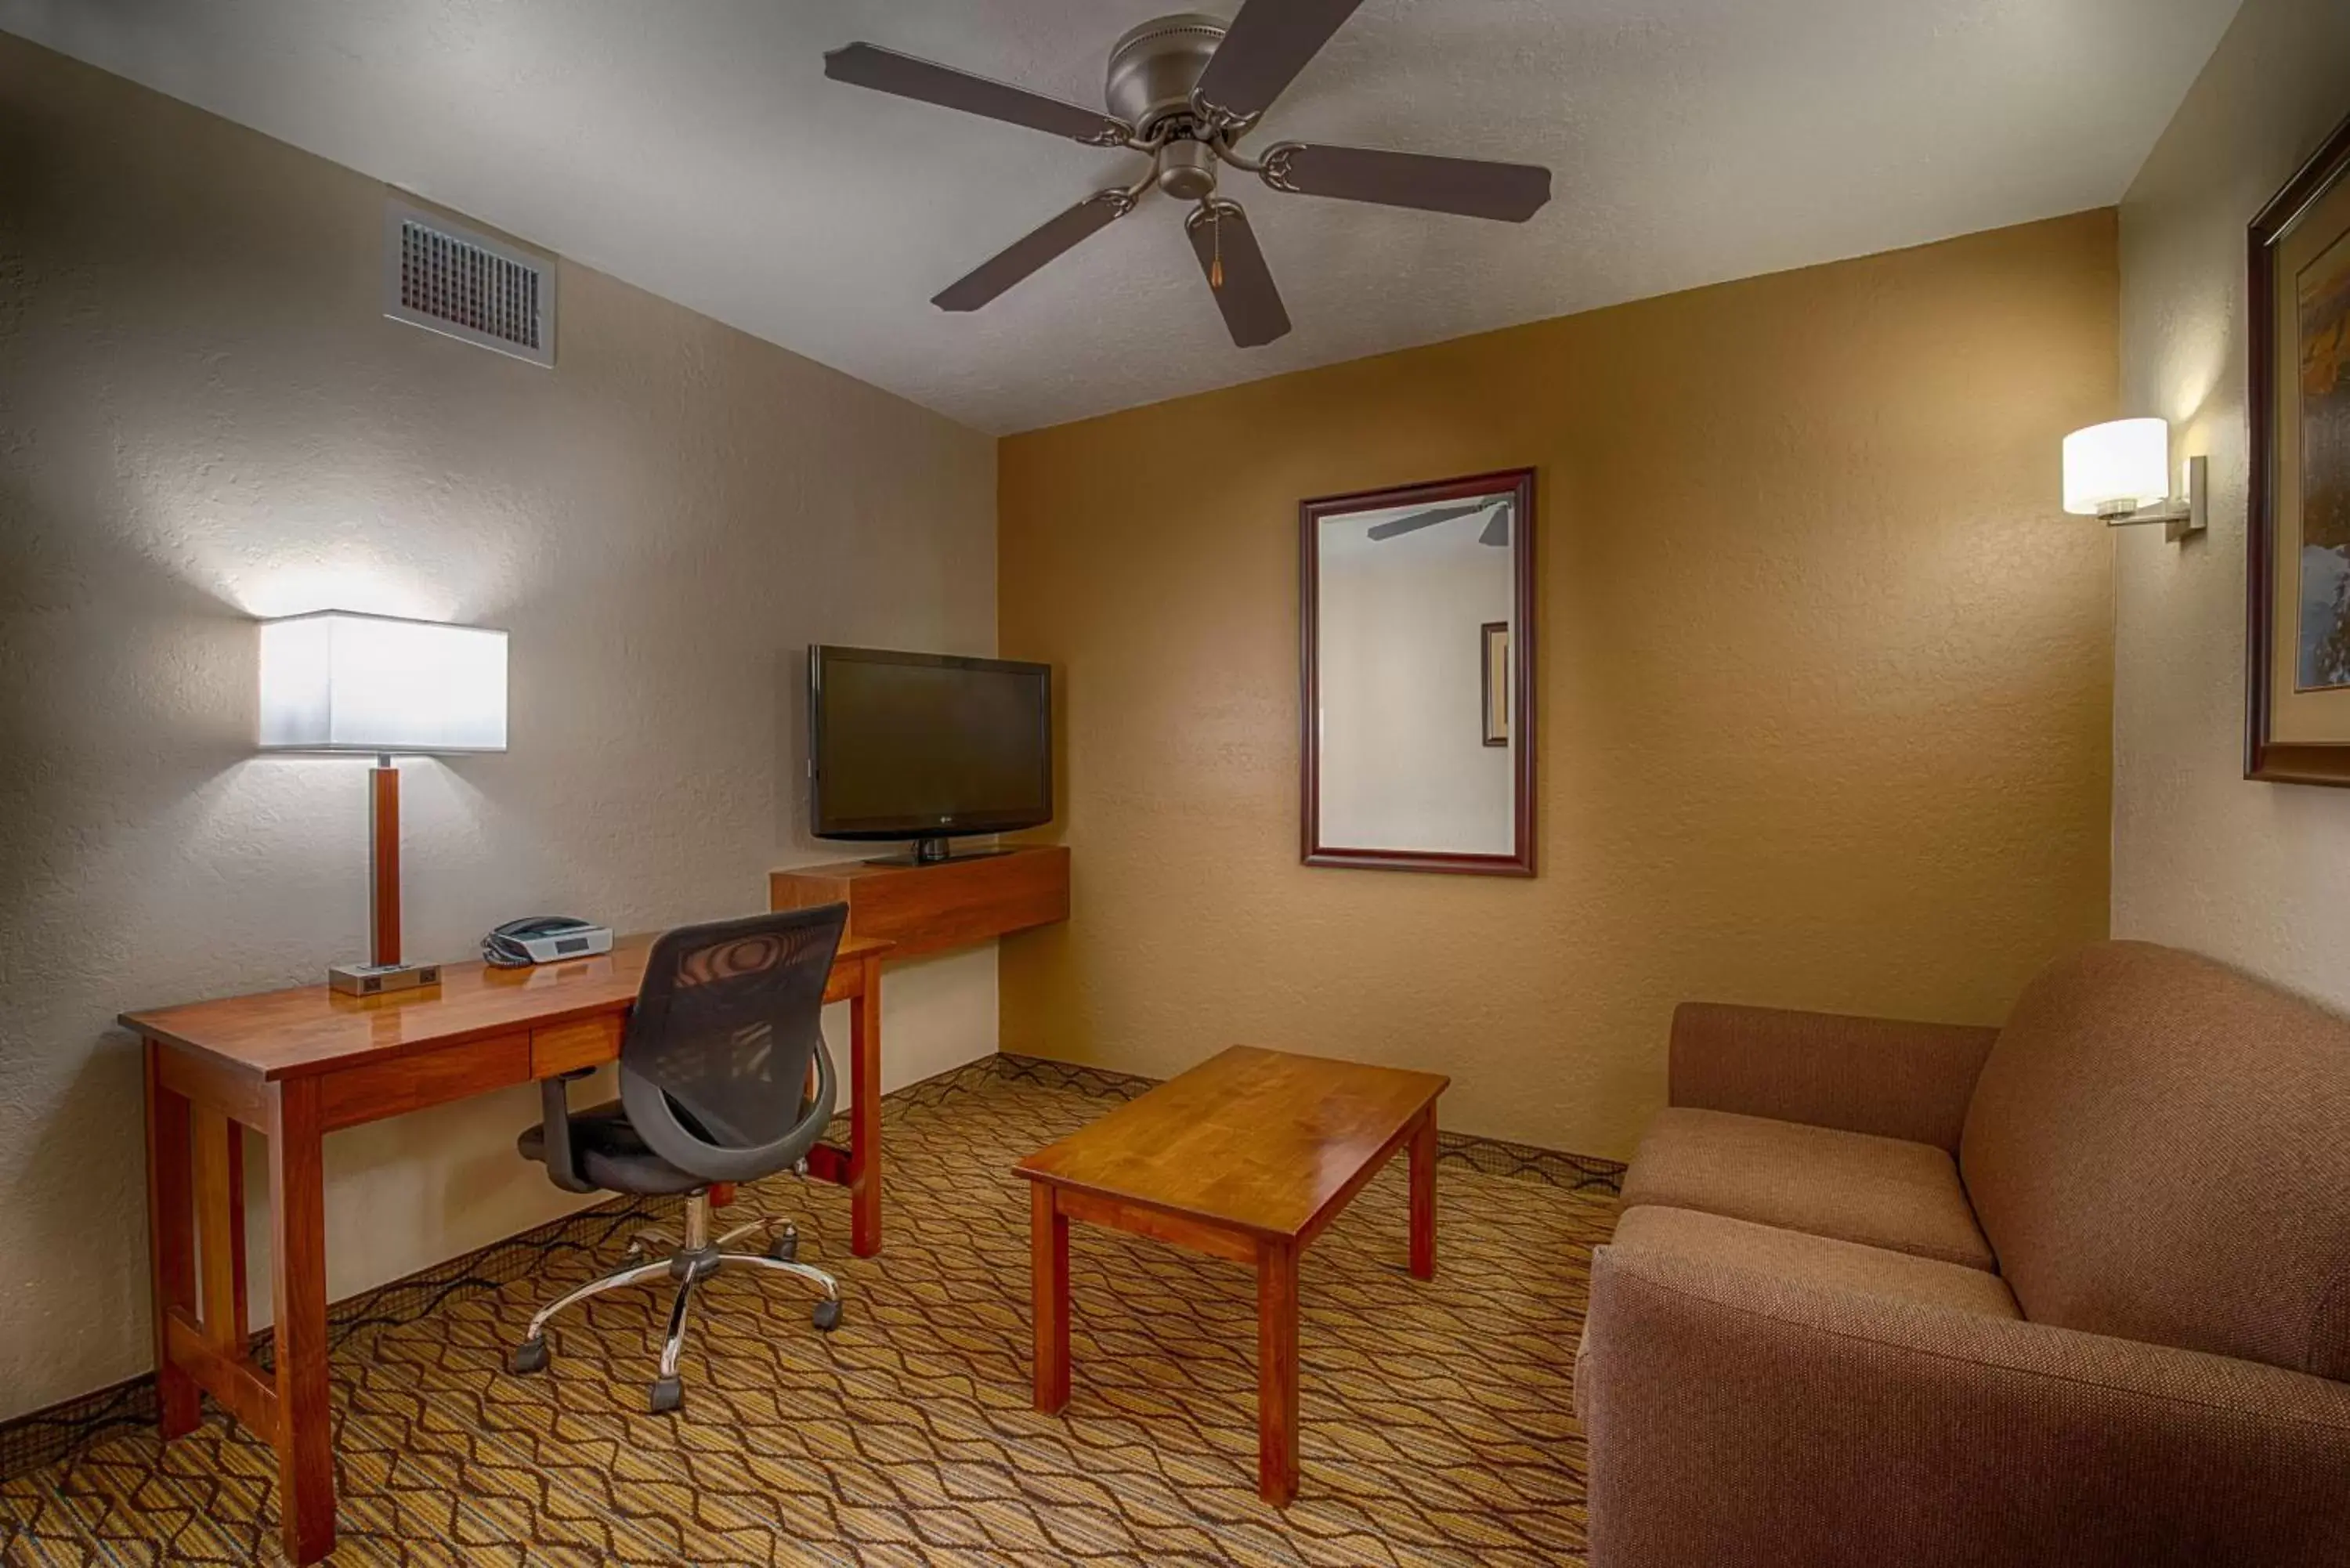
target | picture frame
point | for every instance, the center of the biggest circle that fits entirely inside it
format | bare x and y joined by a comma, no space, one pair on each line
1493,651
2297,549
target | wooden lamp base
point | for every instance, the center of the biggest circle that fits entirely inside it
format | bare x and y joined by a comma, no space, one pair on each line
383,971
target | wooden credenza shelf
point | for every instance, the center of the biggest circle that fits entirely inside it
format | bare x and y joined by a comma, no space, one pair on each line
932,909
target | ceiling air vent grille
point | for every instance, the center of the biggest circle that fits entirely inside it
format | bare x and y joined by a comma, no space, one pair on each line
448,280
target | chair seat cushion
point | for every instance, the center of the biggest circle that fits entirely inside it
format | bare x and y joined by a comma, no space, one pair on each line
607,1151
1848,1187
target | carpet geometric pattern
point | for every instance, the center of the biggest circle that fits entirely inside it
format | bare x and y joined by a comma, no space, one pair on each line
1437,1422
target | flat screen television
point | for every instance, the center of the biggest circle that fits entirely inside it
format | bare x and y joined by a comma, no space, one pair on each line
926,746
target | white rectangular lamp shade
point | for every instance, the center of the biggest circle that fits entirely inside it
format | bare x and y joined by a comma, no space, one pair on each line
335,681
2117,468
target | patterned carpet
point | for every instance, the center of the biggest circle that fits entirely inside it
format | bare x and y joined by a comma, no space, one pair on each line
1437,1418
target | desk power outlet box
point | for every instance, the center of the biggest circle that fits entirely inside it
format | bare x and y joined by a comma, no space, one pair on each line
377,978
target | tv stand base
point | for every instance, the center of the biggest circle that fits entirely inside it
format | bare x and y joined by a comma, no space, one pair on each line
934,852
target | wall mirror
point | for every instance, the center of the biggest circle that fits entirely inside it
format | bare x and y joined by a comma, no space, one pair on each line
1416,638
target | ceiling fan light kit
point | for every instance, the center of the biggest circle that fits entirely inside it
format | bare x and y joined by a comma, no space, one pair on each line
1185,89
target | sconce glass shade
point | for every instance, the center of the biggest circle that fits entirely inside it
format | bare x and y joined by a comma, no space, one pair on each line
335,681
2117,468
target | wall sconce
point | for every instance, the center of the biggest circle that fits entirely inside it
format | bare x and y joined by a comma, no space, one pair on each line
2121,472
344,683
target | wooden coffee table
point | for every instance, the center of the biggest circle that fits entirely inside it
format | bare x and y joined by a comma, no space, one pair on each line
1247,1157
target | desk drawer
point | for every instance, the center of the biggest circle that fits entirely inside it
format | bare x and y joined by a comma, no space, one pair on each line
567,1047
402,1084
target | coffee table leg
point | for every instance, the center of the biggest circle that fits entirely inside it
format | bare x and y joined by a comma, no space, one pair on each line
1423,1196
1048,1267
1276,1371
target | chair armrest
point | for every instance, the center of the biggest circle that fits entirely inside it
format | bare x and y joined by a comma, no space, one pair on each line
1736,1416
554,1127
1874,1076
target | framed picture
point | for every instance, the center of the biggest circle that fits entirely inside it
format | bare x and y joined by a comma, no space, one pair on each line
1495,651
2297,707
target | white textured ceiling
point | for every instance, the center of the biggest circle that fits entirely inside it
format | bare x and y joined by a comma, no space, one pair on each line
695,149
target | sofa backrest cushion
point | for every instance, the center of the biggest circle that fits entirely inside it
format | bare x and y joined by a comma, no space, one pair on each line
2159,1148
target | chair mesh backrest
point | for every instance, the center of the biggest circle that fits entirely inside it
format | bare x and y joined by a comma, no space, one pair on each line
729,1017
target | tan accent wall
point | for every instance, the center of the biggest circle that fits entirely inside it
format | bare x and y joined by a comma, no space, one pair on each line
2250,873
205,415
1825,689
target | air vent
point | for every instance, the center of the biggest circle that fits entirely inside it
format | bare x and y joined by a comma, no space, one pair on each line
446,279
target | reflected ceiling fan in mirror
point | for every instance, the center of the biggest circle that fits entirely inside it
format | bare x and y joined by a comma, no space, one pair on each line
1185,89
1496,531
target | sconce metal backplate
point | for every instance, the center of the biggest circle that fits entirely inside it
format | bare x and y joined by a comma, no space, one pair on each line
2179,519
2198,501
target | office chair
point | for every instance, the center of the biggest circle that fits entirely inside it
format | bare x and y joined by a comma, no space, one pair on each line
713,1087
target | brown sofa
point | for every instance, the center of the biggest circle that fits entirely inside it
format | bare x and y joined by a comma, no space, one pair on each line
2074,1292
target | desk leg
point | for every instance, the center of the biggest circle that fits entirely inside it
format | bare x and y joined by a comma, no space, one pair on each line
1276,1371
865,1114
1423,1196
1048,1288
219,1232
171,1235
297,1212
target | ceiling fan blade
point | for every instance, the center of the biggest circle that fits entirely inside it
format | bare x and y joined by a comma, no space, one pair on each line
1235,270
1497,531
1033,250
1264,49
886,70
1512,193
1396,527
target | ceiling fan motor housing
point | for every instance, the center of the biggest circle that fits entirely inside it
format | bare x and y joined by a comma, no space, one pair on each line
1187,169
1154,67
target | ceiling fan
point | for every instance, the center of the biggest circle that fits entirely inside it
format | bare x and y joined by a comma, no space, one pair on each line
1185,89
1496,531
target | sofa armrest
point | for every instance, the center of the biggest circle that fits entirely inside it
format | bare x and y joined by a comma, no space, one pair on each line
1859,1074
1739,1417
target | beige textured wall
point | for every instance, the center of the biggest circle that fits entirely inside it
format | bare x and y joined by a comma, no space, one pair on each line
2255,874
204,415
1824,696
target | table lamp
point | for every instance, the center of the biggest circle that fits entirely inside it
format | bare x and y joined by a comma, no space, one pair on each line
340,683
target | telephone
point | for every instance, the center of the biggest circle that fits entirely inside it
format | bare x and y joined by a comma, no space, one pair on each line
545,938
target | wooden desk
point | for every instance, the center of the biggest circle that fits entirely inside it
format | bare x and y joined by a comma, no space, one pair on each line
295,1066
1248,1156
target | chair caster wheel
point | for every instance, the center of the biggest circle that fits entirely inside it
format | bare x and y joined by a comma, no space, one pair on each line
669,1396
785,1248
529,1356
826,1316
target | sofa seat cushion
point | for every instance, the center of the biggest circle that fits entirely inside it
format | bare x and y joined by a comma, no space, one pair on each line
1848,1187
1807,1258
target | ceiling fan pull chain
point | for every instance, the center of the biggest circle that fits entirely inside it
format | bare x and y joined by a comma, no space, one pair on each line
1216,234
